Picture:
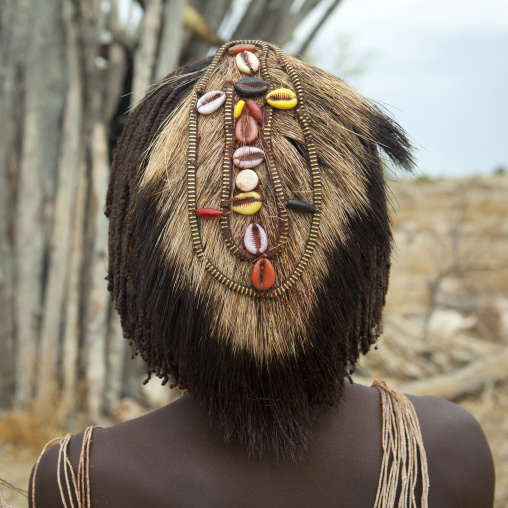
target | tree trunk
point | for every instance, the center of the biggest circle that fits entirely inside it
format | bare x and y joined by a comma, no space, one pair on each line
12,45
171,39
116,350
145,57
61,245
272,21
73,322
44,105
97,316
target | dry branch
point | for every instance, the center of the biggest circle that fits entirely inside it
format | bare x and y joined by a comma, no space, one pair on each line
145,57
461,382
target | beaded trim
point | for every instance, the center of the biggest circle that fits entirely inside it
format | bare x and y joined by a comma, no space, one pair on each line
227,176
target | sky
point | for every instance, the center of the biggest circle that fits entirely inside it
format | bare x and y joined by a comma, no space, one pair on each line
439,66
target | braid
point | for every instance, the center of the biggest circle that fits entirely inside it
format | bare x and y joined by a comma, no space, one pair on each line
129,157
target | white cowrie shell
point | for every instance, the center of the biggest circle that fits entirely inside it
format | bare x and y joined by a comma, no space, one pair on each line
255,239
247,157
210,102
247,62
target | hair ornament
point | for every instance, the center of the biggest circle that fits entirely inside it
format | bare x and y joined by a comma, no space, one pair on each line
251,86
282,98
239,108
247,146
210,102
247,62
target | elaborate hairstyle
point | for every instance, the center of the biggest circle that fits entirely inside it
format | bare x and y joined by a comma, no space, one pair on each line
258,357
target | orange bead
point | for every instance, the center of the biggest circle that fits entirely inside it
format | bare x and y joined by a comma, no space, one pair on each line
240,48
255,110
263,274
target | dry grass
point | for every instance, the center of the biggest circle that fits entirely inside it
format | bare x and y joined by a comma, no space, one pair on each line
25,431
23,434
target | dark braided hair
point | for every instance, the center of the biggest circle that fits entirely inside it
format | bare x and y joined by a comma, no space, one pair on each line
261,383
129,155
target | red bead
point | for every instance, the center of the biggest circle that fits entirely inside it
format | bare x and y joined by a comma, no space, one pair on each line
209,213
240,48
255,110
263,274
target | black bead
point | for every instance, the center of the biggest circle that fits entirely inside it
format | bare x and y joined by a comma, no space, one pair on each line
301,206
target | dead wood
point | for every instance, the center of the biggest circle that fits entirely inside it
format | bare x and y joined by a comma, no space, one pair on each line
462,382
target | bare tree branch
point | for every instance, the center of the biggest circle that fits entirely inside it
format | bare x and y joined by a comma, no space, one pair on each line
312,35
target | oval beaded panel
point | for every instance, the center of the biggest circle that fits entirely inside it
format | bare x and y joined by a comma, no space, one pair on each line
247,62
247,180
255,110
210,102
282,98
246,130
247,157
255,239
247,203
239,108
251,86
239,48
263,274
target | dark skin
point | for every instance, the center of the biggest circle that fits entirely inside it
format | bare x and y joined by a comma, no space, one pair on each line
174,458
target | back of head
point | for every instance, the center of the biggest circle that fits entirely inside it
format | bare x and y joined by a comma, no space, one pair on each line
262,311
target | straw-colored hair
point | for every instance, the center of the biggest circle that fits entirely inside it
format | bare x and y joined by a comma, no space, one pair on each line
258,365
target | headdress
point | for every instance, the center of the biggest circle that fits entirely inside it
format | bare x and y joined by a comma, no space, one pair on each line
250,238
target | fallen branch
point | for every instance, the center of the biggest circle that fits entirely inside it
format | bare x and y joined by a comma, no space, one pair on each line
462,382
456,384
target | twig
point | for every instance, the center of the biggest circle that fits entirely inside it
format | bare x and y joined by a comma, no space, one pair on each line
9,485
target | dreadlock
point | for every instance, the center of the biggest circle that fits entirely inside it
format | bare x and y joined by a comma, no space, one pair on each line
259,366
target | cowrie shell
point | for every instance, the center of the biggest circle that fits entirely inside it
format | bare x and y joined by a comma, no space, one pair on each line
263,274
247,203
255,239
246,130
282,98
247,157
251,86
247,180
247,62
210,102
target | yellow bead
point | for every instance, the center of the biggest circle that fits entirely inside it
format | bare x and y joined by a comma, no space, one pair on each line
282,98
239,108
247,203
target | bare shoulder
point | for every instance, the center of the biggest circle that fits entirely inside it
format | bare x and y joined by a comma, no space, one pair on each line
45,478
141,446
461,468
